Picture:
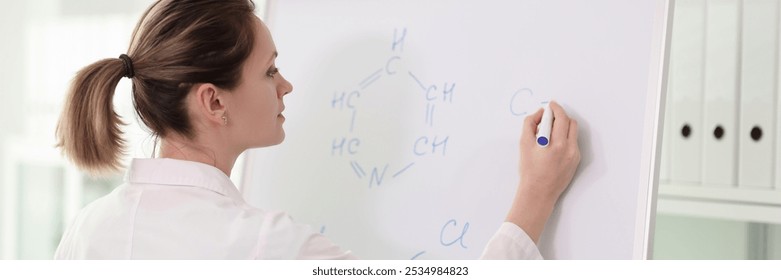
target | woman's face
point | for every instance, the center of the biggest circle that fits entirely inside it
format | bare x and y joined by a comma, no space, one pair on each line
255,111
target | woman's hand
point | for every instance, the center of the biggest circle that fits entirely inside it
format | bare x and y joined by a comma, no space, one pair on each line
545,171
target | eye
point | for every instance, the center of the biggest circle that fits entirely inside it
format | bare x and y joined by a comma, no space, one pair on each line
273,71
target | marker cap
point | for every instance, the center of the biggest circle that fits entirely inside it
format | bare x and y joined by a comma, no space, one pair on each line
542,141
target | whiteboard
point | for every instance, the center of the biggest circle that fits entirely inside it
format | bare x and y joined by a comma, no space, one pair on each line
403,128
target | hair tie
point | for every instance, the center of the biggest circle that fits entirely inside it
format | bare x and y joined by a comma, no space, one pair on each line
128,65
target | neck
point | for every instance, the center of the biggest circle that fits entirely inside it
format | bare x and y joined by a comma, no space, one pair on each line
193,150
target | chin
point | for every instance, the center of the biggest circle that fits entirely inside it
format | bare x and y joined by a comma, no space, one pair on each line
280,139
270,142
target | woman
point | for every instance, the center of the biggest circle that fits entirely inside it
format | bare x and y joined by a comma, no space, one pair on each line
205,82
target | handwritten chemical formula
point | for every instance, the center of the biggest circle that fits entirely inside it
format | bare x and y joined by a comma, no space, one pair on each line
434,95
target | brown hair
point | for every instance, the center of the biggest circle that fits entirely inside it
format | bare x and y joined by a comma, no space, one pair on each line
176,44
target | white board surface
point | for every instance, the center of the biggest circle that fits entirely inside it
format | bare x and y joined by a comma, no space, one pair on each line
403,128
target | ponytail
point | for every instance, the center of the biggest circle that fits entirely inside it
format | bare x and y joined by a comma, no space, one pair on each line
89,129
176,44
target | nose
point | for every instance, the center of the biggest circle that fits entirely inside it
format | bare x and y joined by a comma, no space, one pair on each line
286,87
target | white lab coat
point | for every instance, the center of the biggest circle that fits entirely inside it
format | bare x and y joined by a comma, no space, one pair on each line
175,209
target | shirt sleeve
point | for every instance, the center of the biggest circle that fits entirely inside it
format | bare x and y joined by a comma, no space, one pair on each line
511,243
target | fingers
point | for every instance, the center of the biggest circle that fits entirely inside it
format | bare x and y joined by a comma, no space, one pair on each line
573,132
530,126
561,123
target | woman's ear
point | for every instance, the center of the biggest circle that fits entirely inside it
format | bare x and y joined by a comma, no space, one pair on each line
210,103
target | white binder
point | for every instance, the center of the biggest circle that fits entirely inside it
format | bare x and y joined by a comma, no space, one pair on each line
758,93
777,174
720,126
686,53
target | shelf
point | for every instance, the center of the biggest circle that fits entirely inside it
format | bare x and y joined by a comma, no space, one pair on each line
720,202
731,194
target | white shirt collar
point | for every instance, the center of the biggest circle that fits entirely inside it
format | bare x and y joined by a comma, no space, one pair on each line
166,171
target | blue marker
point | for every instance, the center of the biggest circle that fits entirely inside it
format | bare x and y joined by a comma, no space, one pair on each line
545,126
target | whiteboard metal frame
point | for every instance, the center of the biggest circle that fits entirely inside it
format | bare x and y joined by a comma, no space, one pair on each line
655,107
